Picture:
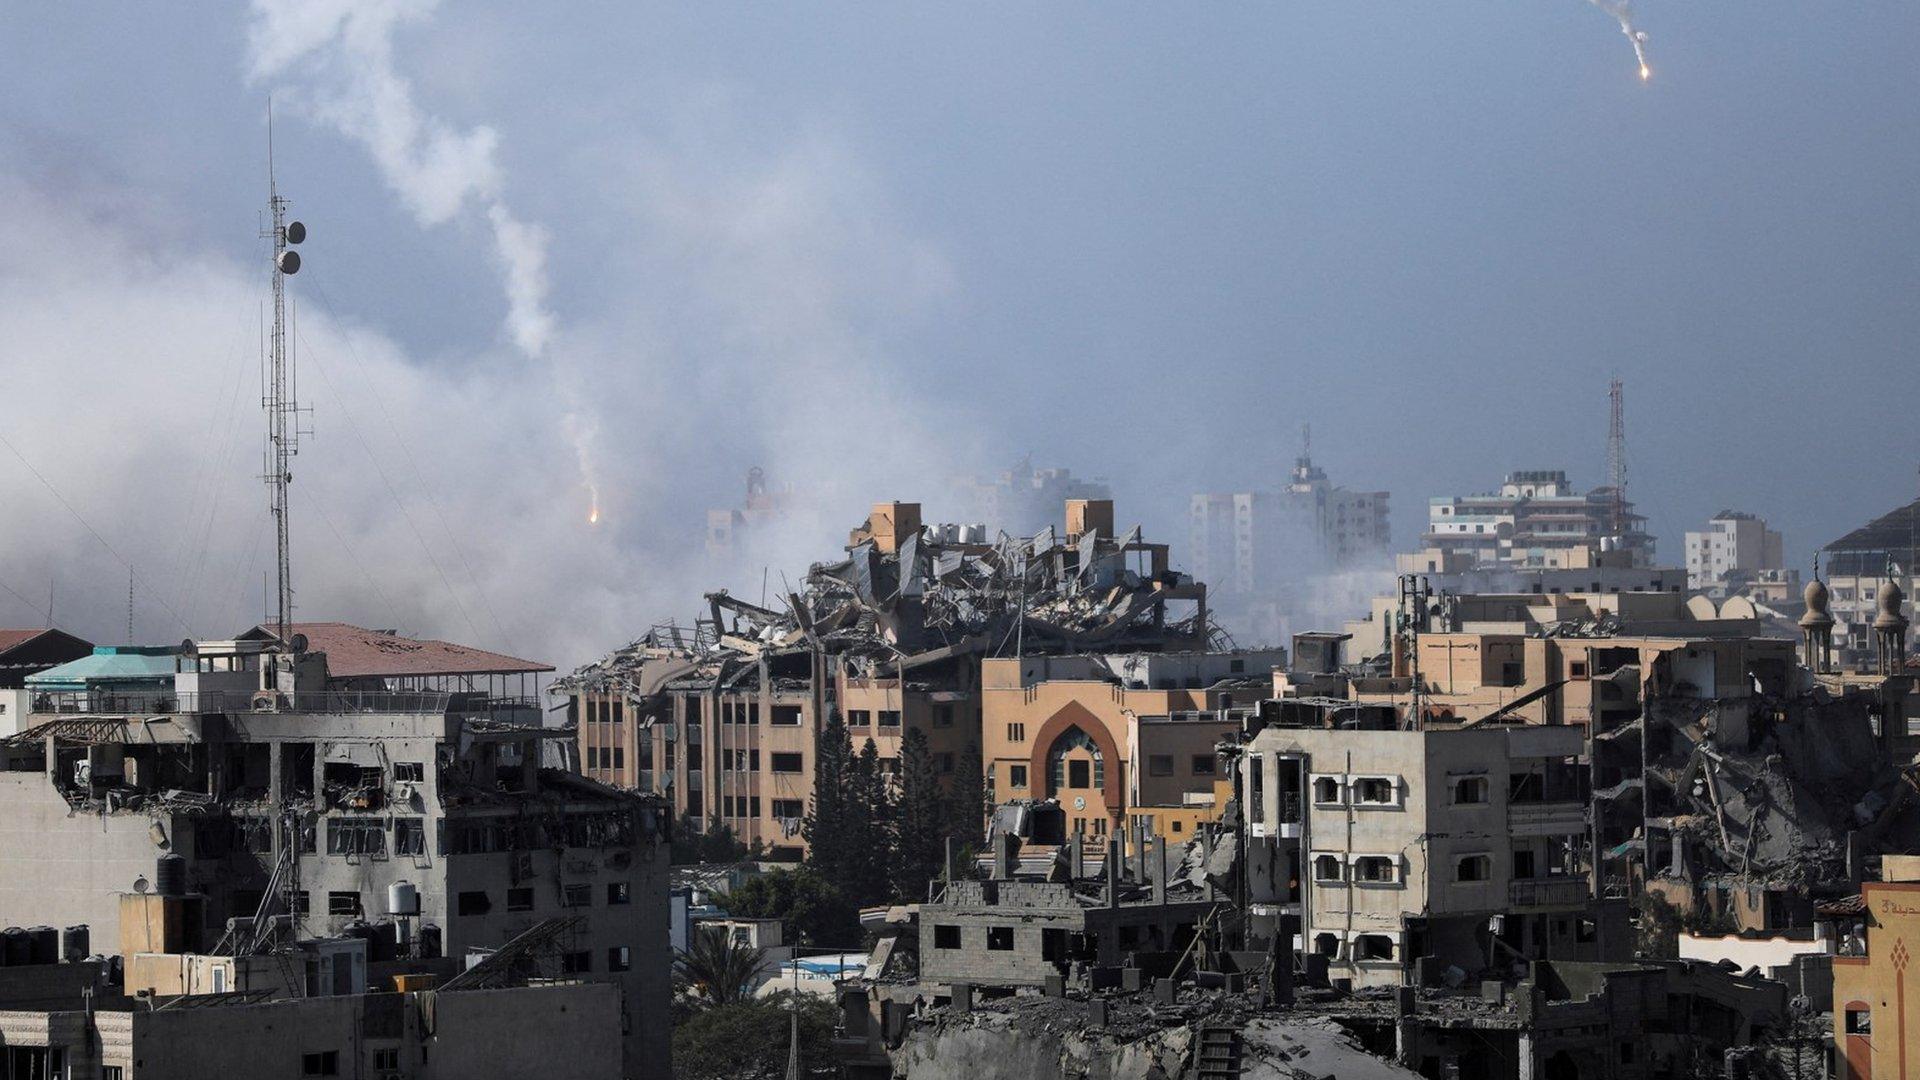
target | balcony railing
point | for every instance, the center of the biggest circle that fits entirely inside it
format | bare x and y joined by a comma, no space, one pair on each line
157,702
1548,892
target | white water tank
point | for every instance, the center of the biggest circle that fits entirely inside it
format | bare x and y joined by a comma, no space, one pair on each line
403,899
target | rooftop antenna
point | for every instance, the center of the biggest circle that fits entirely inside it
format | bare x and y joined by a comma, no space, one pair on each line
283,411
1306,442
1617,455
129,605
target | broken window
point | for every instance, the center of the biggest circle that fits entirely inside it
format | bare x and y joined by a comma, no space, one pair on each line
1203,765
619,958
1372,947
472,902
786,763
577,895
1326,868
1859,1018
946,937
618,893
356,836
409,836
1327,945
1376,869
1522,863
576,963
1326,790
1000,938
324,1063
1473,868
520,899
1470,790
1375,791
409,771
1017,776
343,903
786,716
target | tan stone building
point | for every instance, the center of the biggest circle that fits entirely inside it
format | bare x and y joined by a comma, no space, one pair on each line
1118,735
1876,1019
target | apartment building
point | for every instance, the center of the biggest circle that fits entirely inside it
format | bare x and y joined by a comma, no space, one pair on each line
272,791
1254,543
1118,736
1734,545
1536,519
1859,567
1376,848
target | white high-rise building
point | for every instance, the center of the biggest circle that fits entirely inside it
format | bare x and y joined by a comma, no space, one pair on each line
1733,542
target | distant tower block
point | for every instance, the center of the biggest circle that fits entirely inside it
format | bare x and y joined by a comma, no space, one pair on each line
1816,626
1890,628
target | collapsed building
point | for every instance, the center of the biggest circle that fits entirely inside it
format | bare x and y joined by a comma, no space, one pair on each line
721,717
265,802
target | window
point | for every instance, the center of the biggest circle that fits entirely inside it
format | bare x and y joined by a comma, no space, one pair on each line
576,963
1374,791
943,716
1079,774
786,716
786,763
1000,938
789,809
1577,669
409,771
386,1059
1017,776
1522,863
619,958
324,1063
859,718
1326,868
473,903
1160,765
1859,1018
577,896
618,893
1376,869
944,763
409,836
1473,868
889,718
356,836
1326,790
343,903
946,937
1016,733
1470,791
1326,944
1203,765
520,899
619,757
1372,947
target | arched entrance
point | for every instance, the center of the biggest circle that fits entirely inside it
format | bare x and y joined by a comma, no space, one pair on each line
1076,761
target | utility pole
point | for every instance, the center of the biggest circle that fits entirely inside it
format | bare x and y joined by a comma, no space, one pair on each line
278,396
1617,454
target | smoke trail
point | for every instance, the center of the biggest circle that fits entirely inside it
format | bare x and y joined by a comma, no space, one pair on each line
1622,12
341,54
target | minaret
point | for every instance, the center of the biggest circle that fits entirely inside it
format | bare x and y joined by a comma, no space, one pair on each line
1890,627
1816,626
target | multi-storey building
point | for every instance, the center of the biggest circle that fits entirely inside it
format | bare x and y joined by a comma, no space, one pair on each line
1859,566
273,791
1118,737
1733,545
1375,847
1024,499
1536,519
723,718
1255,543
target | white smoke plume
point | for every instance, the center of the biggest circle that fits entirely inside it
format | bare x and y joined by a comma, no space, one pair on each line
1622,12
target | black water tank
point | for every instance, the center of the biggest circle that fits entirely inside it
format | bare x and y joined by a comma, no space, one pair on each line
15,944
429,942
170,876
76,944
44,944
382,942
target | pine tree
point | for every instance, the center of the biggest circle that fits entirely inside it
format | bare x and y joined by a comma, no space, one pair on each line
868,831
920,820
967,802
826,824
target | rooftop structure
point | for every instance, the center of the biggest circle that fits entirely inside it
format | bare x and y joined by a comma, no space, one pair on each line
1537,519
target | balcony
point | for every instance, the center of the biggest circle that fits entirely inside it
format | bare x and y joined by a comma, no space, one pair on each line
1546,818
1547,892
162,702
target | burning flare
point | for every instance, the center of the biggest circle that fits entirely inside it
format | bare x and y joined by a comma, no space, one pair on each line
593,505
1622,12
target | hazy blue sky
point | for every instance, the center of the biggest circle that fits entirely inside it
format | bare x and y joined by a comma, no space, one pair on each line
1145,241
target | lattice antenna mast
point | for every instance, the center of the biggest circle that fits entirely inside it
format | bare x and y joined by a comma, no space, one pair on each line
278,395
1617,454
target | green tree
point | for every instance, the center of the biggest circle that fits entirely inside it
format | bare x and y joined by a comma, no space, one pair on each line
920,820
826,823
812,910
717,968
717,844
967,801
749,1041
869,829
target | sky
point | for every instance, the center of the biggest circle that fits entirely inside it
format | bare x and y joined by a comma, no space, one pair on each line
632,250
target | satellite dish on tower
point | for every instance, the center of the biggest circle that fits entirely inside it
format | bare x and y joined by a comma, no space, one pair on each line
299,643
296,232
289,262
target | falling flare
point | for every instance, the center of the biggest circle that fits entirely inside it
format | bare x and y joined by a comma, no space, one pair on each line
1622,12
593,504
593,516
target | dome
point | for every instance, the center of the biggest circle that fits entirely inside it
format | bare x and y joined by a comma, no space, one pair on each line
1890,617
1816,598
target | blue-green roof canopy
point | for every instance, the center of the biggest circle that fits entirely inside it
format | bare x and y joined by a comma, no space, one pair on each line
110,666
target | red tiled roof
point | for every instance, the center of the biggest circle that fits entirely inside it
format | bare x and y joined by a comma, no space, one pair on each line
357,652
13,639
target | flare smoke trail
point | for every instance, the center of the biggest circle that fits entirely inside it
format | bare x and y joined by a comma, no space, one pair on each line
341,51
1622,12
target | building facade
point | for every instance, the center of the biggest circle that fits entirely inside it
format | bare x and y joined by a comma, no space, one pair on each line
1536,519
1734,544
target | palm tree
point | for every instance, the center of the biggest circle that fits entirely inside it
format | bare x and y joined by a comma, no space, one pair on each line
718,968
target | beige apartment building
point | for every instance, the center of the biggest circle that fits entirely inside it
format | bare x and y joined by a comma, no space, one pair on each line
1118,736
